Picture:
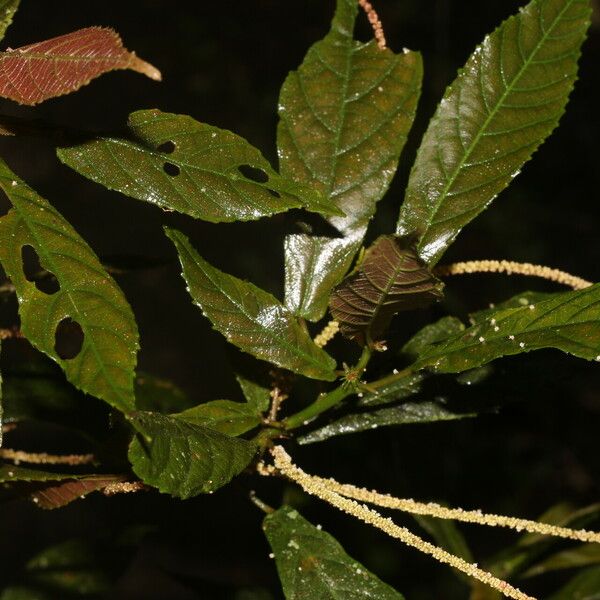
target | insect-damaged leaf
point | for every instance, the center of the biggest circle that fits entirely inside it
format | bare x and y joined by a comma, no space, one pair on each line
8,8
178,163
312,564
390,278
504,103
184,459
85,295
569,321
344,118
61,65
251,318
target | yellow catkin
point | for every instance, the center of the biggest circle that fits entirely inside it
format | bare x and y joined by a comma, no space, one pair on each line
468,516
42,458
375,23
314,486
124,487
510,267
328,333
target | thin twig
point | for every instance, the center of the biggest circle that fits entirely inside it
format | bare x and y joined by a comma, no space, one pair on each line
375,23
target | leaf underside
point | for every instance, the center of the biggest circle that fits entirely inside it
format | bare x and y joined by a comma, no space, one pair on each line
104,367
249,317
57,496
390,278
61,65
504,103
184,459
312,564
178,163
344,118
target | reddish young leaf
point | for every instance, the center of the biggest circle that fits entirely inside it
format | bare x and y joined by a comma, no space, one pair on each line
63,64
63,493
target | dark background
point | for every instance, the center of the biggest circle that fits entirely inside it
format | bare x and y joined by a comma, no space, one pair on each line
223,63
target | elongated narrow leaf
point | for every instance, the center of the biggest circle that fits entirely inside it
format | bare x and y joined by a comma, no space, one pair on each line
584,586
178,163
392,388
504,103
569,322
344,118
183,459
61,65
8,8
225,416
312,564
571,558
406,413
57,496
11,473
249,317
431,334
87,295
518,301
390,278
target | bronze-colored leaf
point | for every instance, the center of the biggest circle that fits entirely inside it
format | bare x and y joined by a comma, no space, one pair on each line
391,278
63,493
61,65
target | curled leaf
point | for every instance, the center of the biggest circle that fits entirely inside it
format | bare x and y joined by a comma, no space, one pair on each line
390,278
61,65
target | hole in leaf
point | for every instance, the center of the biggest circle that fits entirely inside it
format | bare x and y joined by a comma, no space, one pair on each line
274,193
171,169
253,173
4,205
68,339
45,281
167,147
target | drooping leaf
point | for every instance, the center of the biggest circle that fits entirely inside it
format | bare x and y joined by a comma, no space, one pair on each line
225,416
10,473
8,8
569,321
408,412
312,564
344,118
65,492
571,558
178,163
249,317
256,395
389,389
183,459
390,278
584,586
504,103
313,267
432,334
61,65
87,295
156,394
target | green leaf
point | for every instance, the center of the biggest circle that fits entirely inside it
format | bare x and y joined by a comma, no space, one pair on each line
344,118
569,321
390,278
11,473
249,317
183,459
104,366
584,586
580,556
312,564
518,301
409,412
256,395
178,163
504,103
8,8
156,394
432,334
1,401
392,388
226,416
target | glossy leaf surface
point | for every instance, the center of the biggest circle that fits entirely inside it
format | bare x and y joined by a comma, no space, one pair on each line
225,416
256,395
390,278
569,322
392,388
504,103
8,8
249,317
406,413
61,65
312,564
344,118
183,459
178,163
104,366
